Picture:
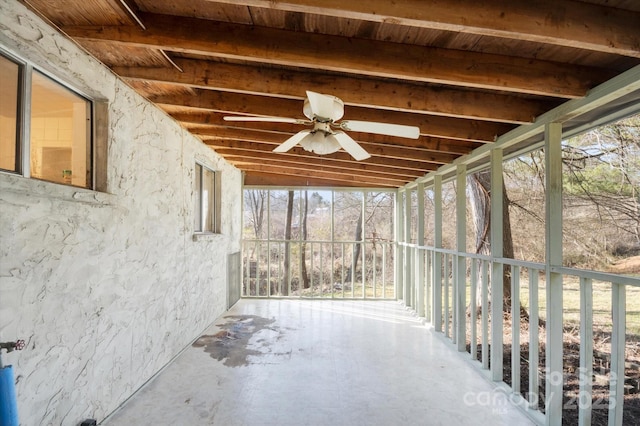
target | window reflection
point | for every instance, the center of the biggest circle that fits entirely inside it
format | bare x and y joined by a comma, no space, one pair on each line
60,134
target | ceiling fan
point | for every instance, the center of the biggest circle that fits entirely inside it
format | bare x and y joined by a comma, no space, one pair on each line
323,112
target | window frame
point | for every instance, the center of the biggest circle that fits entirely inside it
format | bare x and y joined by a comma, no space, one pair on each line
20,106
199,205
96,133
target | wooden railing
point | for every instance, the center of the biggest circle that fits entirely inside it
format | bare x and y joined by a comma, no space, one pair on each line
319,269
457,300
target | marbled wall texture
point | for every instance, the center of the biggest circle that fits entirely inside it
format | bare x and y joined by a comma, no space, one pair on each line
106,288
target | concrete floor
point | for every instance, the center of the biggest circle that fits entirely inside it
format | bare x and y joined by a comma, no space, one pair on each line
296,362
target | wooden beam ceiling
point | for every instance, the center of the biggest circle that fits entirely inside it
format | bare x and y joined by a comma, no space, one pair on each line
563,23
430,125
276,133
348,55
354,91
463,71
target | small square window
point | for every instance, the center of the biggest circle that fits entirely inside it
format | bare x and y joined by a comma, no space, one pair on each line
207,204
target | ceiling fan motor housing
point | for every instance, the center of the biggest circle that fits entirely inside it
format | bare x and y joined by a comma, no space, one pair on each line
336,113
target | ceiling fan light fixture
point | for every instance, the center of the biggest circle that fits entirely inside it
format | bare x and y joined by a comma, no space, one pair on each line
323,112
330,109
320,142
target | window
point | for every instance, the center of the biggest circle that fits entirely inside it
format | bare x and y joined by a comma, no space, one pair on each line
207,206
10,75
45,128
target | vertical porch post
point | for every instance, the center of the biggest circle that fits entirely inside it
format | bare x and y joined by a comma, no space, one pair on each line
420,300
553,231
363,252
437,258
269,244
497,281
461,266
497,278
399,261
408,252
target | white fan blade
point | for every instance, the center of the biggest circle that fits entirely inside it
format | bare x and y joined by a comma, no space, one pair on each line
400,130
265,119
321,105
292,141
351,146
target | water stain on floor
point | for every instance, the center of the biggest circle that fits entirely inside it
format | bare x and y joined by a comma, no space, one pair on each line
231,343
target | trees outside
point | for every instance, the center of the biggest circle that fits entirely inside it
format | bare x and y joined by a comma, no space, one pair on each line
479,192
313,252
601,198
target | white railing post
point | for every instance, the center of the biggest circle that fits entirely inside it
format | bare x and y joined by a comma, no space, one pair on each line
553,230
534,358
586,351
515,329
473,350
616,375
447,329
461,265
437,258
497,301
484,318
429,278
420,300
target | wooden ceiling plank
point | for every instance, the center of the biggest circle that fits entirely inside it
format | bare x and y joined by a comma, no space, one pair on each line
430,125
252,178
260,157
563,23
427,143
354,91
328,175
273,160
375,149
341,54
213,124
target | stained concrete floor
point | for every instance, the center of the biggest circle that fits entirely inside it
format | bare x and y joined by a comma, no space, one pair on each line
296,362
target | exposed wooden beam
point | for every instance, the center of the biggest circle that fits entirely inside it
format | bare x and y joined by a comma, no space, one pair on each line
430,125
563,23
375,149
362,170
328,175
269,179
355,91
342,54
276,134
224,146
450,147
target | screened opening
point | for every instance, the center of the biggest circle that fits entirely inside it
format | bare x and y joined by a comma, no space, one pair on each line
319,243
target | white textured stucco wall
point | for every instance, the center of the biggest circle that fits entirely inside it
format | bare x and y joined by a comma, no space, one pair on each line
105,287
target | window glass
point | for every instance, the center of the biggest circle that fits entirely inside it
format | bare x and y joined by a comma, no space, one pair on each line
198,208
10,77
206,208
60,134
208,194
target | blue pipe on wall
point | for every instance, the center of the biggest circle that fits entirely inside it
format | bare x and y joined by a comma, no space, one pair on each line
8,405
